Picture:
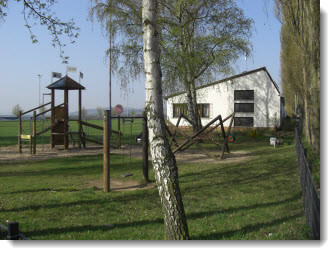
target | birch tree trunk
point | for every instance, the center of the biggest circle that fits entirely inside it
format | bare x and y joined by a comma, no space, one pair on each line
164,163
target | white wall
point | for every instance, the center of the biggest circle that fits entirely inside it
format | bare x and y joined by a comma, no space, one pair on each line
221,99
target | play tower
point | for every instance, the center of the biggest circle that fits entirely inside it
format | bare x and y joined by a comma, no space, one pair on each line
59,118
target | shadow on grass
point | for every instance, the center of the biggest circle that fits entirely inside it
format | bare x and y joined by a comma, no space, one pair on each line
196,215
40,190
86,228
245,230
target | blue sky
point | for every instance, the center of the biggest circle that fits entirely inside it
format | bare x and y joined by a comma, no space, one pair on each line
21,61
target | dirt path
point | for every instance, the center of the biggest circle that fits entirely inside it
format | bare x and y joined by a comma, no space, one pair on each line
192,155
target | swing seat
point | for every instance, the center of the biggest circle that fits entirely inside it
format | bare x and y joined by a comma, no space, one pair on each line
126,175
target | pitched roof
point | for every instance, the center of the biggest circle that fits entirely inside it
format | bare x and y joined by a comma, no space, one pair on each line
65,83
228,79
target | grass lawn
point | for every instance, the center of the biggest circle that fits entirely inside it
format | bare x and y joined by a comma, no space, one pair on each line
9,131
259,198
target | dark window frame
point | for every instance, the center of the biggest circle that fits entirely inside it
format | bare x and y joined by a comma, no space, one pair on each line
244,107
201,111
184,110
244,95
236,119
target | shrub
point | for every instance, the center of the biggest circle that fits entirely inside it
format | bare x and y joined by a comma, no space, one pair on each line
288,124
254,133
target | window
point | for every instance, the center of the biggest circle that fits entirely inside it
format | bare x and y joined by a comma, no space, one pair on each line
178,109
204,110
244,107
243,121
243,95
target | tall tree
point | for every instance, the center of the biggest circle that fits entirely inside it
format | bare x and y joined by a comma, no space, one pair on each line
199,39
301,25
41,10
164,163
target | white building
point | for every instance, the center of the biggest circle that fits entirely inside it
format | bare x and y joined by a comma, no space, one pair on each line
253,96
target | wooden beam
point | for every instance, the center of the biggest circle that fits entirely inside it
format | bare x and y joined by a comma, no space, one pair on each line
119,132
226,139
66,119
41,113
34,132
34,109
20,131
79,118
106,174
52,117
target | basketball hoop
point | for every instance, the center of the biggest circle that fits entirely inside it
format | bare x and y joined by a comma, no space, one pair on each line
118,109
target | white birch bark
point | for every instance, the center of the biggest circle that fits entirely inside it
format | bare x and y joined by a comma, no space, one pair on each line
164,163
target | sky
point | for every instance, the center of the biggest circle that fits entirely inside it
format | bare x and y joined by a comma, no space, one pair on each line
21,61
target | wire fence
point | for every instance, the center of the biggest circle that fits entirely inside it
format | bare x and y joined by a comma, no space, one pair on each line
310,195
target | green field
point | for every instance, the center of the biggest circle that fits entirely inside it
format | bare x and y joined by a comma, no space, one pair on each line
258,198
9,131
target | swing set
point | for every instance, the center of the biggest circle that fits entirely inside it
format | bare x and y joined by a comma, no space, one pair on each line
204,133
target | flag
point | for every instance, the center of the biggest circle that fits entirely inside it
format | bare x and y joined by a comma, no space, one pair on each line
71,69
56,75
81,75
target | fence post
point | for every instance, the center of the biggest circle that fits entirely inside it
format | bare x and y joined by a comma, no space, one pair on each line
119,132
34,132
107,132
20,131
145,146
13,231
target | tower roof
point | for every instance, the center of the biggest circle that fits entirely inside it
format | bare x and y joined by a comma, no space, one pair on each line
65,83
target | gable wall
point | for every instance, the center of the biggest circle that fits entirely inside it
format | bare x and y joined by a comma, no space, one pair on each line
221,99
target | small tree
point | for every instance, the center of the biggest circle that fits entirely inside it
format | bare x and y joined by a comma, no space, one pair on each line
84,113
16,109
99,112
132,113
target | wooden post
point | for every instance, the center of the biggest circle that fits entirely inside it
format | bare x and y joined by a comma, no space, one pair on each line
79,118
66,118
107,132
227,137
52,117
34,133
13,231
119,132
20,132
145,146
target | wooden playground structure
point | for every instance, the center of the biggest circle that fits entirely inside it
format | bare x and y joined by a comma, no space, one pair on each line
202,134
59,118
59,127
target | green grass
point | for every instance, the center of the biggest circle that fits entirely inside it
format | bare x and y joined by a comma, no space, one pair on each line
255,199
9,131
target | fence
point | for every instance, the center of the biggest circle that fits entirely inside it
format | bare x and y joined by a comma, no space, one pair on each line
11,232
310,194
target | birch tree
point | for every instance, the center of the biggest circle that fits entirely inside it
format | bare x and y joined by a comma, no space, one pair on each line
198,40
164,163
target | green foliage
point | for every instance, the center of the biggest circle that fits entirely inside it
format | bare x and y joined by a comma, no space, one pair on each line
300,61
254,133
288,124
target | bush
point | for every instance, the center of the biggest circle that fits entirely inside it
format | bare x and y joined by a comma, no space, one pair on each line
254,133
288,124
